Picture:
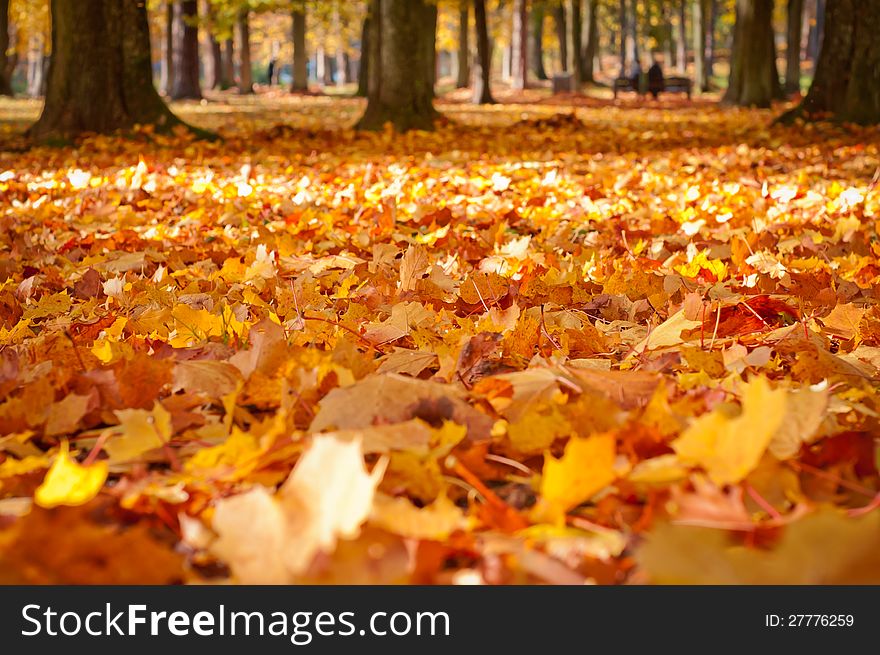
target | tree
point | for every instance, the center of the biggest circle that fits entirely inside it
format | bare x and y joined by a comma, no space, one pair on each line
574,43
214,63
519,45
681,37
793,46
632,33
100,78
701,73
5,84
166,70
561,33
591,41
463,75
364,72
483,68
623,50
227,68
245,74
401,84
754,80
300,81
186,51
847,81
536,41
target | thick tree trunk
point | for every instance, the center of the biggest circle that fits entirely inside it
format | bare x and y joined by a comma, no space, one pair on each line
100,78
5,84
429,44
364,71
300,81
401,89
186,51
575,38
536,42
793,46
561,34
227,70
166,66
847,82
754,80
463,75
591,41
519,45
701,77
245,73
681,38
483,62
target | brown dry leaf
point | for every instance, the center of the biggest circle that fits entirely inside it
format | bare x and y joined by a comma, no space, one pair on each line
65,415
396,398
843,321
212,378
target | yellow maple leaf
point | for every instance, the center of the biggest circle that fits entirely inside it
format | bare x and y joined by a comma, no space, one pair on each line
730,448
399,516
585,468
139,432
70,483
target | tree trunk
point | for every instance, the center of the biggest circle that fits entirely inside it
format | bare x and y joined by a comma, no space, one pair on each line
5,83
817,30
100,78
463,75
483,62
323,67
300,81
847,81
574,44
632,36
754,80
561,34
36,68
622,43
401,89
166,70
245,72
591,42
227,70
215,79
681,40
186,51
793,46
701,78
364,71
712,14
536,42
519,45
429,43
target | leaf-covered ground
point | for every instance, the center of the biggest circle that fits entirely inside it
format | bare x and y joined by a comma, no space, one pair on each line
545,344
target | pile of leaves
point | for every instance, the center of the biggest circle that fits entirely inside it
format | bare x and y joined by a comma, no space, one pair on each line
613,345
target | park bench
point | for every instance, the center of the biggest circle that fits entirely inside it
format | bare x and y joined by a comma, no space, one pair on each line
671,84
